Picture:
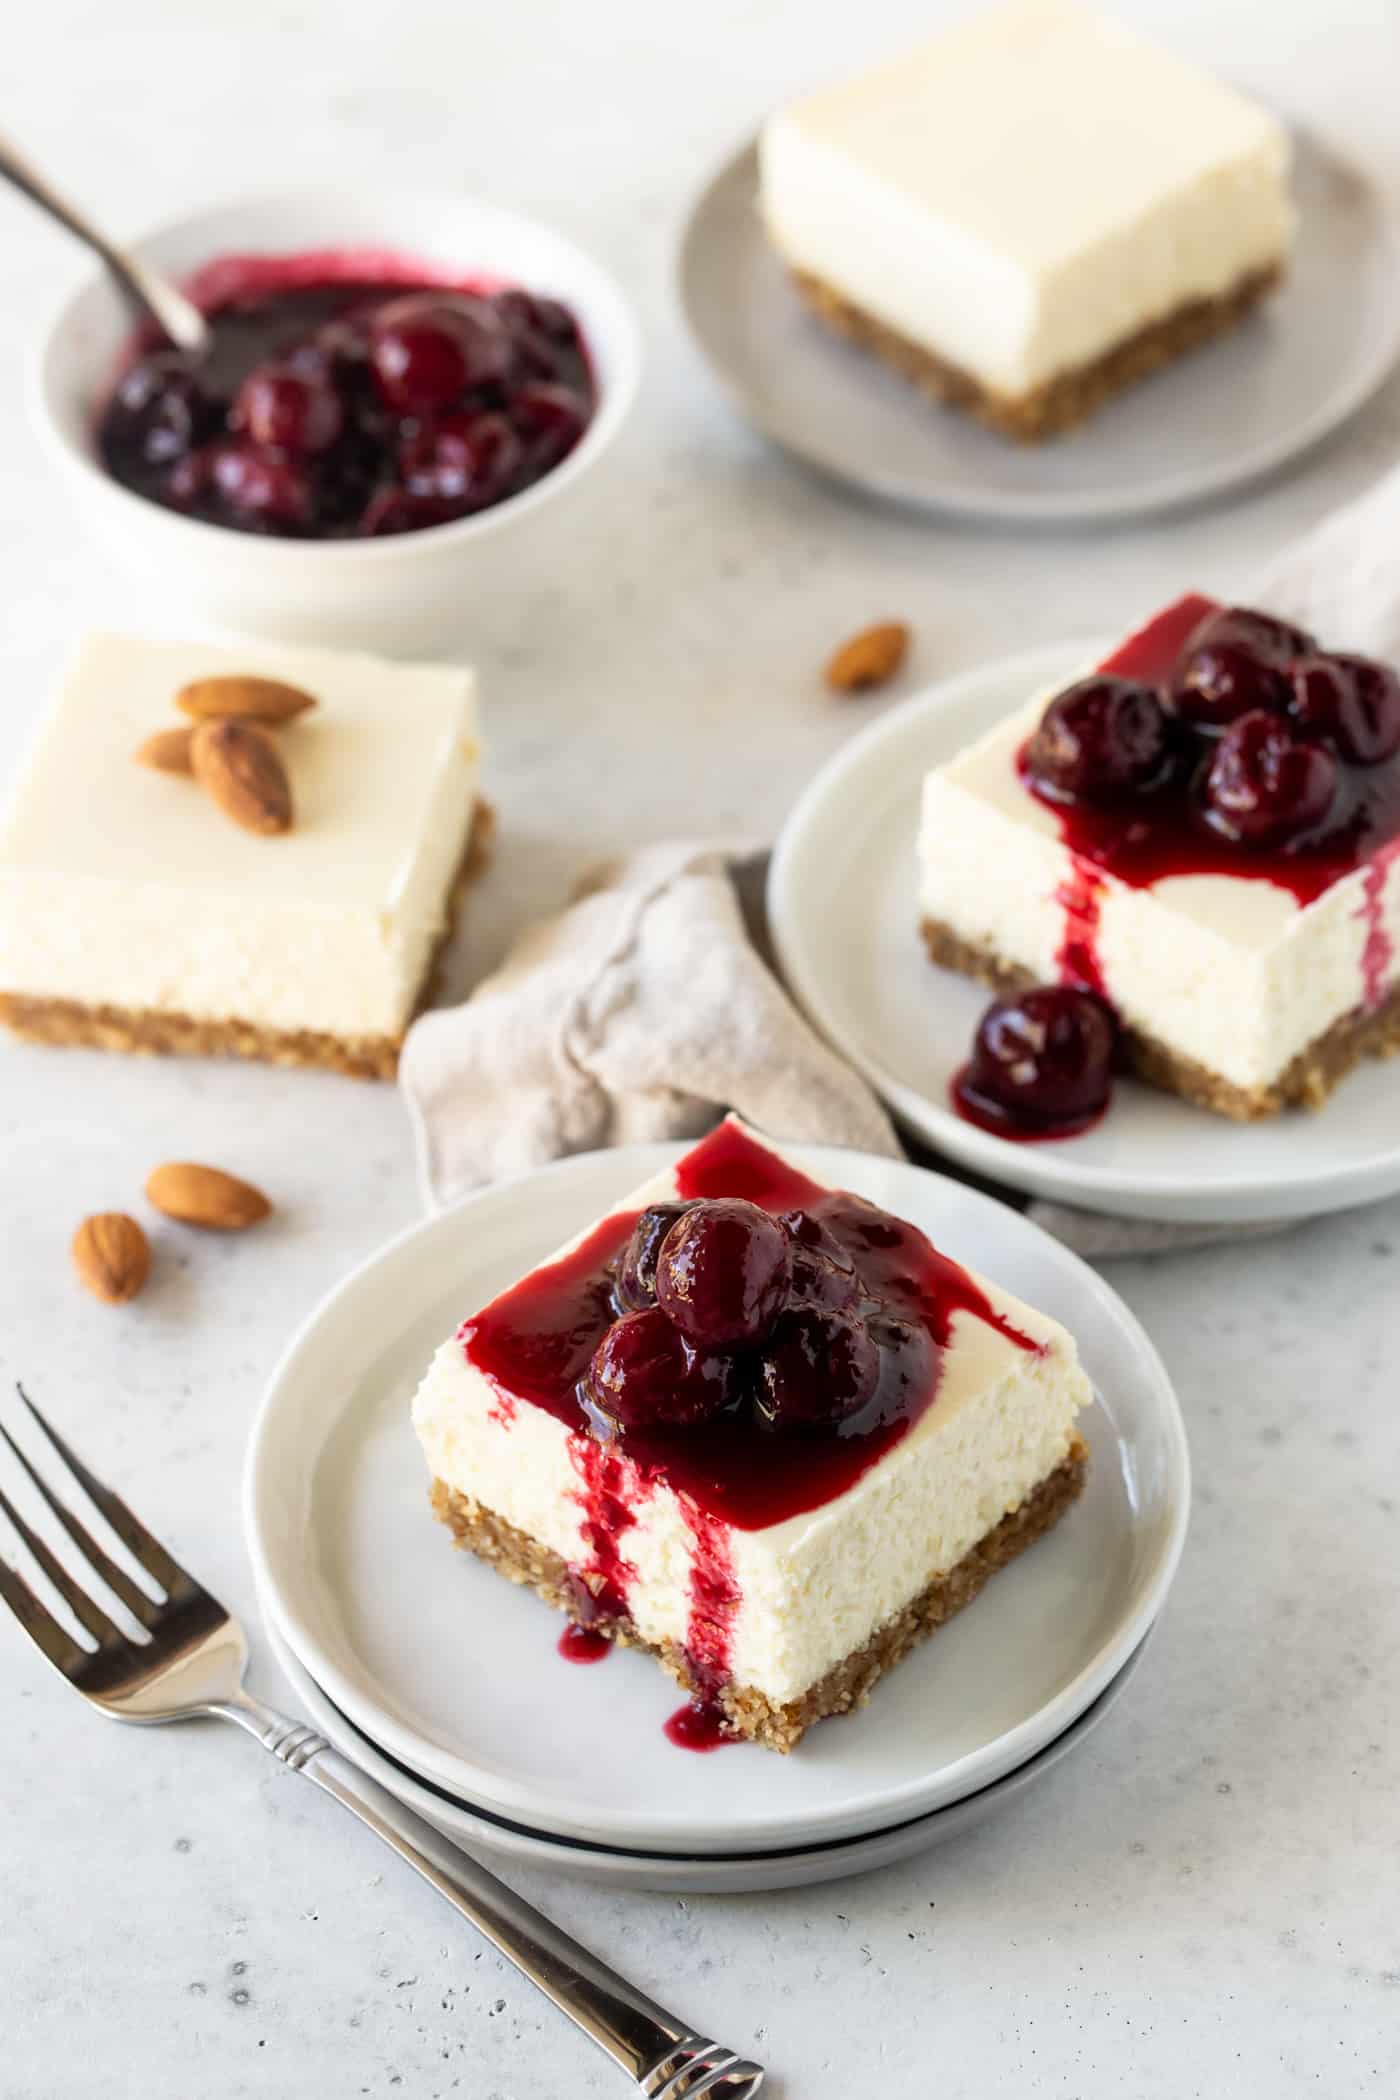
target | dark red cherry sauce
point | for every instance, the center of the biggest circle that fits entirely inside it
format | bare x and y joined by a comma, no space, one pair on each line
535,1343
349,394
1156,835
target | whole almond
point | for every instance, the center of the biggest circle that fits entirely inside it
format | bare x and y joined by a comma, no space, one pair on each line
112,1256
869,658
240,768
242,699
168,751
206,1196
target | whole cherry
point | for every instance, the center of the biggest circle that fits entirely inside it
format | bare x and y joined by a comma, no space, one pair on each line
1220,681
636,1270
161,409
394,510
1045,1056
722,1273
1263,786
822,1269
428,350
820,1366
1234,661
461,459
1274,640
264,489
1352,702
645,1373
821,1279
295,411
521,310
549,420
1100,740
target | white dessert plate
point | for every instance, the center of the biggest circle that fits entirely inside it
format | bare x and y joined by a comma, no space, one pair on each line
843,913
743,1873
456,1673
1282,381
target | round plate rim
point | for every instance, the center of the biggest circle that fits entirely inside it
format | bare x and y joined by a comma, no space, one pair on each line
963,499
465,1821
1040,1170
629,1165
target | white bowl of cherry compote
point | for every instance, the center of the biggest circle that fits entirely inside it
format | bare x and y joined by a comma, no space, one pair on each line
402,390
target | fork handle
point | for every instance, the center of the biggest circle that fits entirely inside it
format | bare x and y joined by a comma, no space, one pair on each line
663,2057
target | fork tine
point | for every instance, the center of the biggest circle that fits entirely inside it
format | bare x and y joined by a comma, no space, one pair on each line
133,1534
73,1594
117,1580
39,1623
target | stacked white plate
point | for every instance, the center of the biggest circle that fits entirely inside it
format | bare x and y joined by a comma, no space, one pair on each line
447,1684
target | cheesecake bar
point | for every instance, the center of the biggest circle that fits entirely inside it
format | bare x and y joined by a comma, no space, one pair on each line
758,1427
1030,211
1204,830
135,915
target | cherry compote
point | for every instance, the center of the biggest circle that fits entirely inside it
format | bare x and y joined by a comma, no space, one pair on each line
341,406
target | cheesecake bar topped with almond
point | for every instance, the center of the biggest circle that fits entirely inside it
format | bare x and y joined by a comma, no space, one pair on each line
253,852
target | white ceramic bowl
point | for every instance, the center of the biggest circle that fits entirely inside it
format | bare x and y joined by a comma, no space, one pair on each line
406,594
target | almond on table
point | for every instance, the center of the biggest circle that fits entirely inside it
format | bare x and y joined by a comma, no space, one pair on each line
868,659
206,1196
112,1256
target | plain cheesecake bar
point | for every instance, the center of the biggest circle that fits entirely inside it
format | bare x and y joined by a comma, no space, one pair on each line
1030,211
134,915
780,1519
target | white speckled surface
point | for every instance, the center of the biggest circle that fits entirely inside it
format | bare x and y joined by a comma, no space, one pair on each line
1203,1902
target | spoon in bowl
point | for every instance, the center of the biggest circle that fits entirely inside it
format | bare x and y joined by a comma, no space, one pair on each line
178,318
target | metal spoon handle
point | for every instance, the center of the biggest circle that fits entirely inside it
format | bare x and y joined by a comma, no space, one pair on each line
177,317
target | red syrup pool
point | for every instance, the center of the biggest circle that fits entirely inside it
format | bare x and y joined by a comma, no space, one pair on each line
580,1644
349,394
700,1726
731,1474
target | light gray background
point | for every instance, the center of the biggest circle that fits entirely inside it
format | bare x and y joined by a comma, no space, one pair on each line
1204,1902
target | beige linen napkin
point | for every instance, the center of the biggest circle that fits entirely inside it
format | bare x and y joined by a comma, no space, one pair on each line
645,1010
642,1011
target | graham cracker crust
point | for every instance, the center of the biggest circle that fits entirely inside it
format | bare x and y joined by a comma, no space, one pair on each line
68,1024
749,1713
1071,397
1307,1082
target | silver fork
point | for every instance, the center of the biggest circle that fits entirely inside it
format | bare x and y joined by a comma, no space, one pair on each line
191,1664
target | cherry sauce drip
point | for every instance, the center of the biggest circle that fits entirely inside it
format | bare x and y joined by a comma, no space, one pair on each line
582,1644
